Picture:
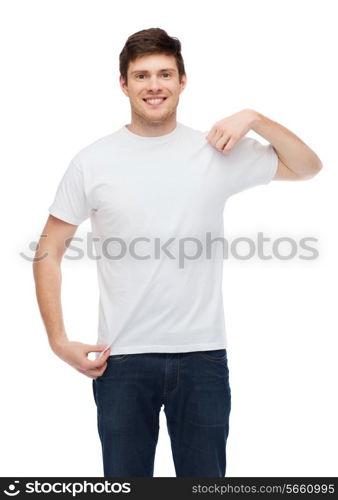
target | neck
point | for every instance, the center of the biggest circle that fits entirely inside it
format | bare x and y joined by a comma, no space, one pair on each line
145,128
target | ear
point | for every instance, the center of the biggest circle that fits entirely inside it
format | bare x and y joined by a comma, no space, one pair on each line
123,86
183,83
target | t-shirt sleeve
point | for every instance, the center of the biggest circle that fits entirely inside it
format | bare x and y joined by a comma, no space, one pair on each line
70,203
249,164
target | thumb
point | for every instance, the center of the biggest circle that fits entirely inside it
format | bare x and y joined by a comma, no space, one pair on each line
95,348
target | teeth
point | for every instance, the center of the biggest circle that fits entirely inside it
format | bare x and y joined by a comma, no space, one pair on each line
154,101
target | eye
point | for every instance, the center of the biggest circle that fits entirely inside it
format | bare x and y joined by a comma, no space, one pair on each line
166,74
137,76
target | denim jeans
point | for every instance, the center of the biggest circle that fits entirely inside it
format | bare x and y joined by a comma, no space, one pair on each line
194,389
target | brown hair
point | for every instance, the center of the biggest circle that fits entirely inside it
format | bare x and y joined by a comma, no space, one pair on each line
150,41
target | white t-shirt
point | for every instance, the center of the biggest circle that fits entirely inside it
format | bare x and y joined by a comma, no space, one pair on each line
152,202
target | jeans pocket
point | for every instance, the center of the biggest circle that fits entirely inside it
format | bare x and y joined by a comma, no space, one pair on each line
113,360
216,355
117,358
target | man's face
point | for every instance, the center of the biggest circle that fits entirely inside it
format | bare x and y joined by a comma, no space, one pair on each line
153,87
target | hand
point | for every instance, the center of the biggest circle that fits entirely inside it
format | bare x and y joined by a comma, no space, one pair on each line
75,354
227,132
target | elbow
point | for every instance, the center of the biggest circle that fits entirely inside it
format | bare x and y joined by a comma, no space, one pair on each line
313,171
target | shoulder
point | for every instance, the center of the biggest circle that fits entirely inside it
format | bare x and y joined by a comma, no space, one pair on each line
194,137
192,132
96,149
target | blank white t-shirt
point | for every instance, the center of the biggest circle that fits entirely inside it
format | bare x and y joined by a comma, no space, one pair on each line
152,202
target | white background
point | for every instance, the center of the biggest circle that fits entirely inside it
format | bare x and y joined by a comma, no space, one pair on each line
59,93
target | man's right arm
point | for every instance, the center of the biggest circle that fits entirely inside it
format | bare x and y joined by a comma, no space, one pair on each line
47,276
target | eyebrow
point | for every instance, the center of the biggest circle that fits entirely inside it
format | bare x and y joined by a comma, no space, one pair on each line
145,71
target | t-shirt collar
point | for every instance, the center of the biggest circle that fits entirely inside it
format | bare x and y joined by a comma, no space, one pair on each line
159,138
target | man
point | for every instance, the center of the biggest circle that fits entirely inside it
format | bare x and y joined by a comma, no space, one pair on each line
155,192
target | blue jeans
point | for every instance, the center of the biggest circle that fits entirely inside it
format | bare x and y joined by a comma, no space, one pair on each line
194,389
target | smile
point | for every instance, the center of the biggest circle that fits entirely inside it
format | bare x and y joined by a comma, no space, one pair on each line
155,101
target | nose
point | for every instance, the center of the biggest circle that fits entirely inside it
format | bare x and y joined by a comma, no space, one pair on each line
154,83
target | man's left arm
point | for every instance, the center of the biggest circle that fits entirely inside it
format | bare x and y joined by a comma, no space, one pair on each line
296,160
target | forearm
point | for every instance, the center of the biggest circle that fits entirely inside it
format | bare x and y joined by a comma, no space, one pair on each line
47,276
292,151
